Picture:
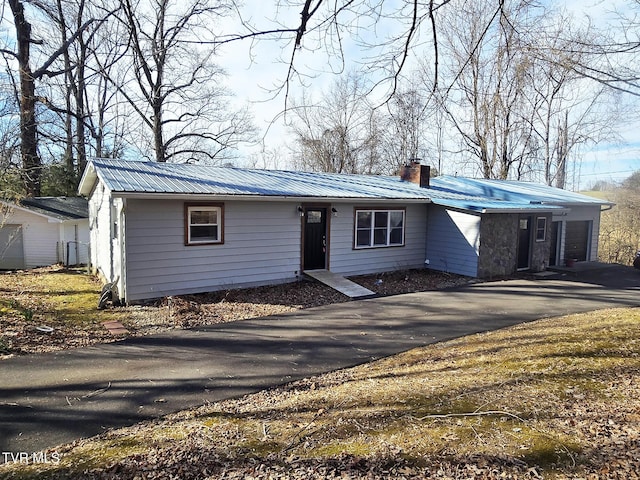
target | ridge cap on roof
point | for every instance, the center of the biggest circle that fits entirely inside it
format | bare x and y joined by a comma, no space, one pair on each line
116,161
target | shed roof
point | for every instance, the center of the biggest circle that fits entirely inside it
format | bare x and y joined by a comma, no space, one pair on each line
152,178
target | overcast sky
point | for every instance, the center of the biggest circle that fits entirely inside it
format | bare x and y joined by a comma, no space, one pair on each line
253,76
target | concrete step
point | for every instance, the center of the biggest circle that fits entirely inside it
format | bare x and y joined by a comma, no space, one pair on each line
339,283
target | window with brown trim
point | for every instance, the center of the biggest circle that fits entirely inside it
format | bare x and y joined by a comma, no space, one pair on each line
204,224
378,228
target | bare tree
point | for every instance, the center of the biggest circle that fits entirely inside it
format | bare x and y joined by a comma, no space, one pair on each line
31,162
336,133
175,88
65,94
488,67
613,51
406,121
511,91
9,143
620,226
328,26
566,110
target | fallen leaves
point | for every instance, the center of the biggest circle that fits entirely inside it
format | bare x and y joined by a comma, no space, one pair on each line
66,300
526,402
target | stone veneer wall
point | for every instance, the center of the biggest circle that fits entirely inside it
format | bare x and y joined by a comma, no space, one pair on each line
540,251
498,255
498,245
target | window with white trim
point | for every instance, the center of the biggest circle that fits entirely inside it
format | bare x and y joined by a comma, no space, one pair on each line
203,224
541,229
379,228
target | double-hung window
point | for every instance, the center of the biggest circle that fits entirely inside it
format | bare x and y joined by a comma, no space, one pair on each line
541,229
203,224
379,228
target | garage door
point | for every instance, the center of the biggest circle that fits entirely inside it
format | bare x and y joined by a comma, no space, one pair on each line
11,247
577,240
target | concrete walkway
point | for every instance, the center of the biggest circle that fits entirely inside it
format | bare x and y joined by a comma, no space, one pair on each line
341,284
54,398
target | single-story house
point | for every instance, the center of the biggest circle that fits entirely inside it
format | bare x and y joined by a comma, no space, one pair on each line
161,229
42,231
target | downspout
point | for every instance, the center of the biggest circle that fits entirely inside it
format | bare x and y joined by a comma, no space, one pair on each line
110,208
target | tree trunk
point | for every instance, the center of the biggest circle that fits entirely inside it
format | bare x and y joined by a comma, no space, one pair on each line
563,152
31,163
80,112
158,140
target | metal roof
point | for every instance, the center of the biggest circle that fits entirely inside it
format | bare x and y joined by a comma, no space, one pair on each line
485,205
131,177
513,191
169,178
60,208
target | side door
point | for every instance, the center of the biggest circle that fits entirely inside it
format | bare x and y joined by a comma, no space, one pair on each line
524,242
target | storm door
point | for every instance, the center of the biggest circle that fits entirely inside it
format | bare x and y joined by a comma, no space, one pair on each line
524,242
315,238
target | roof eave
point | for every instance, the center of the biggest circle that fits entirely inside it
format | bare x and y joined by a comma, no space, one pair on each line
580,204
265,198
551,209
50,218
88,180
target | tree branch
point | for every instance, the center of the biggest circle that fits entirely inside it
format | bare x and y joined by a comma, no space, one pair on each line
44,69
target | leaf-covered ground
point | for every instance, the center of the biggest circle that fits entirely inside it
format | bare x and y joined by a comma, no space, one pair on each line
556,398
66,301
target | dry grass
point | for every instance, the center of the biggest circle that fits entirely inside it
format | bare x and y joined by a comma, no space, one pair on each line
62,299
620,227
556,398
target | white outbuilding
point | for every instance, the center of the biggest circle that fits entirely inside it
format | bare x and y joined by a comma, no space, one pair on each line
41,231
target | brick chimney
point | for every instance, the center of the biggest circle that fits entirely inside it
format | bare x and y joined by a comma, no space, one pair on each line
415,173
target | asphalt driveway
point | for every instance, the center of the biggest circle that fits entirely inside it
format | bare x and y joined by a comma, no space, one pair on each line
54,398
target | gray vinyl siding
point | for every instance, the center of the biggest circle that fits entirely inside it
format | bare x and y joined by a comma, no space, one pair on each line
261,246
453,242
346,260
